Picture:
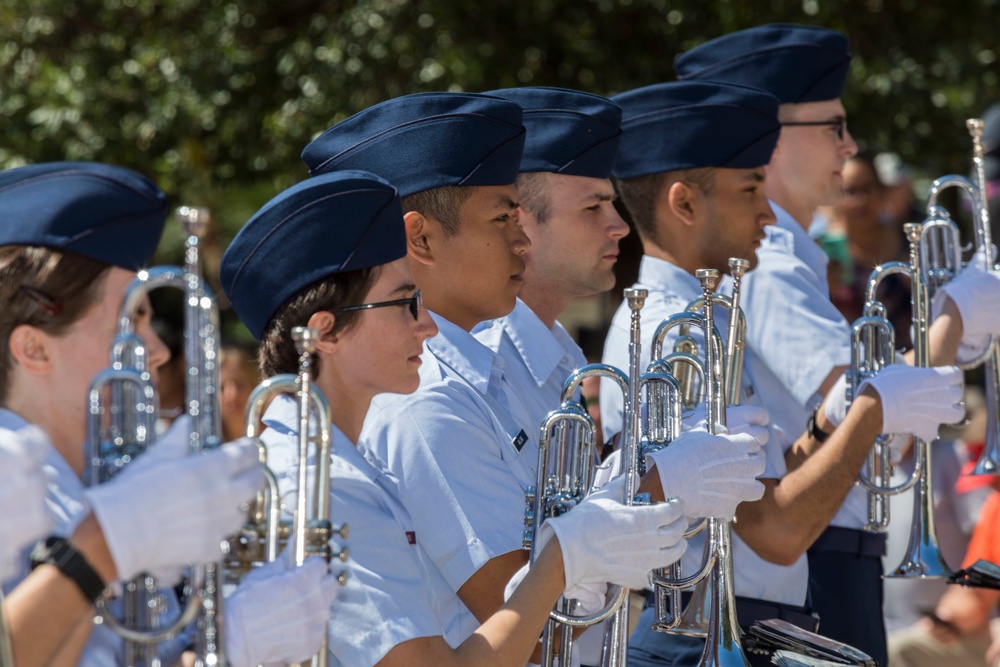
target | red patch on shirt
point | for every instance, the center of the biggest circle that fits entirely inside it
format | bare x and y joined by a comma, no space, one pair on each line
411,537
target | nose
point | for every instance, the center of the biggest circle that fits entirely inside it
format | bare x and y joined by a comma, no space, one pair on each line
425,327
156,351
767,216
849,146
617,229
519,242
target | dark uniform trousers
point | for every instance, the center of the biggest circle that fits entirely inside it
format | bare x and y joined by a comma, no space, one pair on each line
845,585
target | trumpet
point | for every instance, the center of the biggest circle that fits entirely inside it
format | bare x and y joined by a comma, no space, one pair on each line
566,474
722,633
941,256
923,558
123,427
311,530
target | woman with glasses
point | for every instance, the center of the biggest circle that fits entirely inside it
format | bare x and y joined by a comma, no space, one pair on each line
329,254
72,239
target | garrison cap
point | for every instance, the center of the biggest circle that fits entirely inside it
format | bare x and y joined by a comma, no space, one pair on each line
795,63
695,124
107,213
569,132
991,142
426,141
330,224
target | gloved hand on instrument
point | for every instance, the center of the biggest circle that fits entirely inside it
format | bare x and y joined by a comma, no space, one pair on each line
918,400
713,474
174,509
279,612
24,516
975,291
604,541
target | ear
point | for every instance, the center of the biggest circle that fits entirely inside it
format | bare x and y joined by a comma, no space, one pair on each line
29,348
422,233
683,202
323,321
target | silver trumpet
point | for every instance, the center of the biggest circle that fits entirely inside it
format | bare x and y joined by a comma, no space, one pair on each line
941,254
923,558
265,534
697,614
122,427
565,475
722,639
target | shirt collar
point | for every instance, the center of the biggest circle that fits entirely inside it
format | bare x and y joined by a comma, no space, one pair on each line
802,246
464,354
12,421
658,273
282,415
540,348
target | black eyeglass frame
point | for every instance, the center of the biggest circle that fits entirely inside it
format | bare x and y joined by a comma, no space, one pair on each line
414,302
840,123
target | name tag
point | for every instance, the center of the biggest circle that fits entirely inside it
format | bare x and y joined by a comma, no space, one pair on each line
519,440
411,537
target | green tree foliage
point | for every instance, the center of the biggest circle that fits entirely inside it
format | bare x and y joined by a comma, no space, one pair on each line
216,98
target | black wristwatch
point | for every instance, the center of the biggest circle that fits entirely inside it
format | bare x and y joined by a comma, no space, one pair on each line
59,553
813,428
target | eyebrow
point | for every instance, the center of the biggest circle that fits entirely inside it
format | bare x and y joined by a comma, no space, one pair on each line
408,287
602,196
503,201
757,176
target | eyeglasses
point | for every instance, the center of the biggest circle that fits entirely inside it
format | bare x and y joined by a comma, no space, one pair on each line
840,124
414,302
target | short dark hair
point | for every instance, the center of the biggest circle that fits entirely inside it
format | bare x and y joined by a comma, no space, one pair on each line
277,353
532,195
442,204
44,288
641,194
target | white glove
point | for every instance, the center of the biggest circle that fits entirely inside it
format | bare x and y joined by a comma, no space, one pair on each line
604,541
712,474
176,511
752,419
279,612
918,400
976,294
24,517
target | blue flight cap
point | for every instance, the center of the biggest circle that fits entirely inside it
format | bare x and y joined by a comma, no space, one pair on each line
330,224
569,132
694,124
426,141
795,63
110,214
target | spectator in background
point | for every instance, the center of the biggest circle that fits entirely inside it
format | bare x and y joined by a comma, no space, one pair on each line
857,222
900,199
238,375
170,379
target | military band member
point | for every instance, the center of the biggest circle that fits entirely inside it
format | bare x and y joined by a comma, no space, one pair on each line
74,236
691,171
798,334
566,208
330,253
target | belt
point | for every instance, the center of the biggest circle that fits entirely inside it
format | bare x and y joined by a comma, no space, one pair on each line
749,611
850,541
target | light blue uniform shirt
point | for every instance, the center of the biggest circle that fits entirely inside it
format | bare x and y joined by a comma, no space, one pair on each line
537,359
68,506
393,593
798,335
464,450
670,290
